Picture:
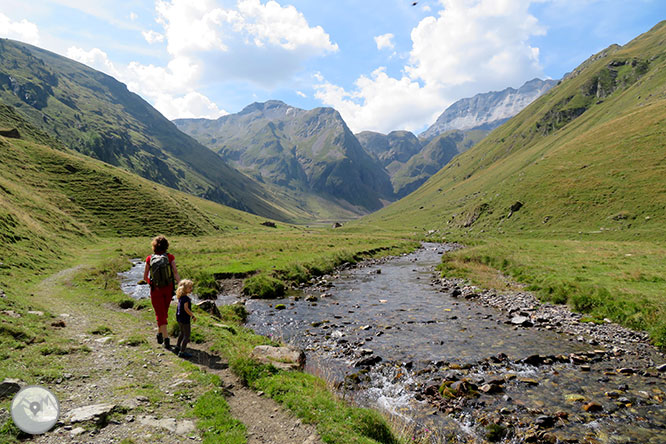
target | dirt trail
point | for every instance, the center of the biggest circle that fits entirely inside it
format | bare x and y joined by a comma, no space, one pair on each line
147,385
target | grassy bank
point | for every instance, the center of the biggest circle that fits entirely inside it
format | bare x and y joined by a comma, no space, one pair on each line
621,280
271,260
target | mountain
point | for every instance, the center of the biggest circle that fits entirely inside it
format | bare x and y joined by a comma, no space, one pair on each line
488,110
310,154
53,198
411,160
586,157
95,114
433,157
393,150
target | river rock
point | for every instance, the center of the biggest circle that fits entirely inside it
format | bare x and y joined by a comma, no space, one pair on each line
209,307
490,388
9,387
96,413
544,421
523,321
368,361
284,358
592,407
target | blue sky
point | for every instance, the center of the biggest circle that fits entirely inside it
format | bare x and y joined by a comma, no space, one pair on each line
384,64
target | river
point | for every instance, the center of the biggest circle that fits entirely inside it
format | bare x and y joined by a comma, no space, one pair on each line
389,337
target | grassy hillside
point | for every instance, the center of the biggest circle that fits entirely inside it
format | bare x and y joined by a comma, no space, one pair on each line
586,163
96,115
580,158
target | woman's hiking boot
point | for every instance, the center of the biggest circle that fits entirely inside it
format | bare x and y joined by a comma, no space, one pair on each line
159,338
176,349
167,343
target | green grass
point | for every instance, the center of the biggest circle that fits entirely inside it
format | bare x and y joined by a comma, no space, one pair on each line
623,281
215,421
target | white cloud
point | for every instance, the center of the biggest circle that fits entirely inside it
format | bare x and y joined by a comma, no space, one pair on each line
301,94
191,105
471,46
169,89
384,41
95,58
380,102
133,16
23,30
261,42
152,36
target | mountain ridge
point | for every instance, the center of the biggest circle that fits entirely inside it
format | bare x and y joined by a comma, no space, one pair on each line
95,114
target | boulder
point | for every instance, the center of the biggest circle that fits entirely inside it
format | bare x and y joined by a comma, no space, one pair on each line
209,307
269,224
284,358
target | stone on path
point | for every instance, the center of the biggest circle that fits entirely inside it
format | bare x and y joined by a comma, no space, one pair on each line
179,428
284,358
95,412
9,387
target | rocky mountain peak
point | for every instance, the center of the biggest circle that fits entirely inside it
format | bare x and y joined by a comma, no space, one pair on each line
487,110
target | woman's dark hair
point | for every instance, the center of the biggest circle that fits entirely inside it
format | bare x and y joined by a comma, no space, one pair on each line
160,245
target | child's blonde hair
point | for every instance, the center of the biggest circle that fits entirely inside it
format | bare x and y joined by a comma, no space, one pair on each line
182,286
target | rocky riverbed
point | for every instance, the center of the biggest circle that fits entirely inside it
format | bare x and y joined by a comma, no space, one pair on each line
463,364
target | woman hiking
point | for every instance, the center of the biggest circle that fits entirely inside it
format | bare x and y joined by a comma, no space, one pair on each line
161,273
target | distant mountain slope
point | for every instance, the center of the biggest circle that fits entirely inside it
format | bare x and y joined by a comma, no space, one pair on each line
433,157
588,156
410,161
52,198
93,113
488,110
311,153
393,149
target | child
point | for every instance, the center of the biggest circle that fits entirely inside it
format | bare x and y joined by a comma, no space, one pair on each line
183,315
